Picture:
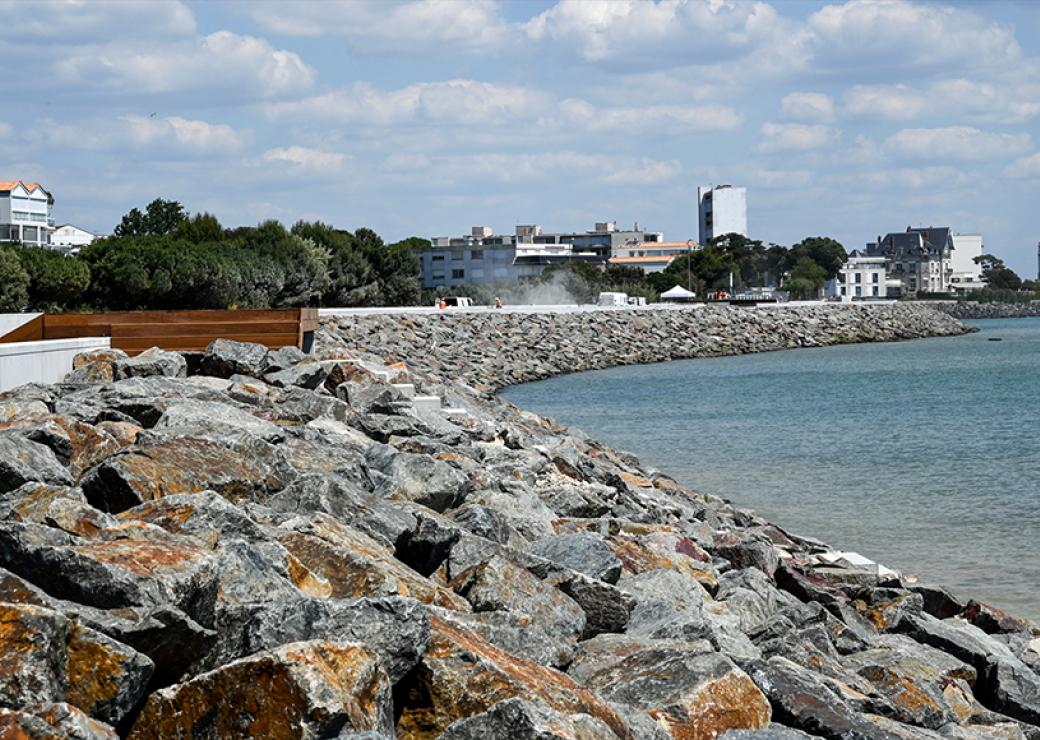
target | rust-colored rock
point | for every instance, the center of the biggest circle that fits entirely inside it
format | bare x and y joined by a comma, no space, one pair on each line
353,564
303,689
641,555
45,657
461,675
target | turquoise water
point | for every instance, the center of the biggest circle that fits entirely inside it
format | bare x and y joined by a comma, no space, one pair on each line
922,455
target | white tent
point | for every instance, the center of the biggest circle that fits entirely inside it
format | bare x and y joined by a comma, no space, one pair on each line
677,293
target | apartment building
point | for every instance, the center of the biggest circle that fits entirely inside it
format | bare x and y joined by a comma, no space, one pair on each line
722,209
25,213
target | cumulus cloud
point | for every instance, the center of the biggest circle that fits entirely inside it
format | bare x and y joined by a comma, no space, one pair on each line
675,118
917,177
416,26
808,106
972,100
452,101
901,34
892,102
669,32
65,20
779,137
245,65
516,167
785,179
196,136
960,143
1026,167
302,160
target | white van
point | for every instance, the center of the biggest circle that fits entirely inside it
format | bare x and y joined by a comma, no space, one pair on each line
613,299
455,302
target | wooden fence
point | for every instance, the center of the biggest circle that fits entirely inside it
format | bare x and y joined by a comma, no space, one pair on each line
185,331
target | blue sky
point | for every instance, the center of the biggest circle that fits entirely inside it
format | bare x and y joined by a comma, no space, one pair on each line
428,117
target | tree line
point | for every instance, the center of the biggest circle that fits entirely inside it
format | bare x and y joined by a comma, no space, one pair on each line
162,258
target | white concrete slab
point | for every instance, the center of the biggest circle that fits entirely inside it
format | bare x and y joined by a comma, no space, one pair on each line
45,361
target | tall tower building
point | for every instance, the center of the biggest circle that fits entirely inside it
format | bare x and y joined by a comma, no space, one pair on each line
722,210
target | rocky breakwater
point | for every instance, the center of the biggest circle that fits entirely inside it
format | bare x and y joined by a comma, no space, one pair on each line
972,310
259,544
489,351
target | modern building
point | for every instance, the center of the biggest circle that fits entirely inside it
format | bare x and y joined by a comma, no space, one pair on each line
862,277
722,209
483,257
920,259
652,256
965,272
69,236
25,213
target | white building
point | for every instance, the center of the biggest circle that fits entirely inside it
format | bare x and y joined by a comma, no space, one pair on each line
69,236
722,210
651,256
862,277
25,213
965,273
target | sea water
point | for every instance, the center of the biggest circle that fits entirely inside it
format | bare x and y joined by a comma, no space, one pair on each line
922,455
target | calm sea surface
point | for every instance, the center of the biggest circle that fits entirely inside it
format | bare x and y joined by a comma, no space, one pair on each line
922,455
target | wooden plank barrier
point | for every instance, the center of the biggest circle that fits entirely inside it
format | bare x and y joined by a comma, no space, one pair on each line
185,331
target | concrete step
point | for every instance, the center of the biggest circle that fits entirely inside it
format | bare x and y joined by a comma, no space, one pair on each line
426,403
406,389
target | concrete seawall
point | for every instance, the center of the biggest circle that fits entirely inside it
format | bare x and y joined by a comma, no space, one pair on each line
489,351
968,311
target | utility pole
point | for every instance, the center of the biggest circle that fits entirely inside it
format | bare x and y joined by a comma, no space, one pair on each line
689,258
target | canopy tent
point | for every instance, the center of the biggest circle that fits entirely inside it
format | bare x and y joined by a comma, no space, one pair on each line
677,293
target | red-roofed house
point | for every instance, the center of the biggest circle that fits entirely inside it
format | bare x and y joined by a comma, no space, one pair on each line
25,213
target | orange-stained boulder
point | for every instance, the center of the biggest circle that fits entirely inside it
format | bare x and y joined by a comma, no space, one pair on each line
461,675
303,689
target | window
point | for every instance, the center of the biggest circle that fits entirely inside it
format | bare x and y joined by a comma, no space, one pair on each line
437,275
859,292
437,258
874,277
859,277
458,255
458,274
843,290
476,254
874,290
477,274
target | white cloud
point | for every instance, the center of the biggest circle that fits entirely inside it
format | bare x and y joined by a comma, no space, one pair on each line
674,118
960,98
891,102
962,143
452,101
65,20
917,177
897,34
796,136
196,136
303,160
669,31
417,26
512,167
244,65
808,106
6,130
1026,167
785,179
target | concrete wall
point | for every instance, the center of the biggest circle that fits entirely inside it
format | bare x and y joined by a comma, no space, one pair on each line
42,362
11,321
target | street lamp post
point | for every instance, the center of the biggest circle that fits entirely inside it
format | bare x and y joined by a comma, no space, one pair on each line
689,257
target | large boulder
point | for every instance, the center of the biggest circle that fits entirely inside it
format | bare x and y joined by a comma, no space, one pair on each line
693,694
23,461
303,689
418,478
584,553
45,657
152,362
518,719
462,675
225,357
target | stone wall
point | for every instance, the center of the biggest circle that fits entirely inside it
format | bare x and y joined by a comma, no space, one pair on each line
971,310
491,351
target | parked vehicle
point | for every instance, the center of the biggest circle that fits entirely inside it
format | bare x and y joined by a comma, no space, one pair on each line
454,302
613,299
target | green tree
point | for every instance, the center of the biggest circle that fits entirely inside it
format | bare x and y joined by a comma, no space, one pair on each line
14,282
202,227
826,252
160,218
805,278
996,274
412,242
56,281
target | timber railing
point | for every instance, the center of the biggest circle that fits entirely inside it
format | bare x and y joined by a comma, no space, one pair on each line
184,331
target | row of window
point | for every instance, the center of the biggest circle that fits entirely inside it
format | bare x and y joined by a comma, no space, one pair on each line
858,277
475,274
859,291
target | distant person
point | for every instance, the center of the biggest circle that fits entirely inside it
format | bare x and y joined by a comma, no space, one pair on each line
498,302
442,304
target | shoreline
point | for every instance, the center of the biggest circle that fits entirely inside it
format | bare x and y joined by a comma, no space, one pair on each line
379,536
